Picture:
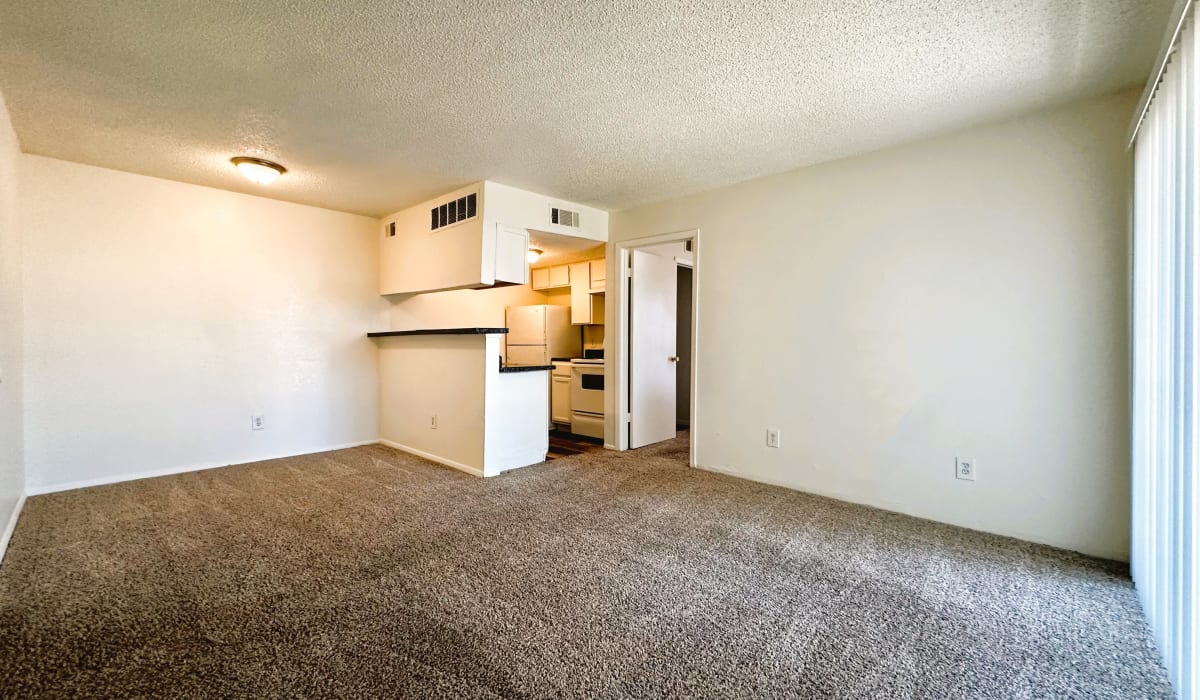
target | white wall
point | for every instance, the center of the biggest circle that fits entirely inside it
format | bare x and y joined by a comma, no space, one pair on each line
454,256
443,397
460,308
965,295
518,412
422,376
463,308
12,472
160,315
525,209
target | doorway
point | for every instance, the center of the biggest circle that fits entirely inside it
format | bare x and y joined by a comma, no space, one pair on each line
655,344
683,343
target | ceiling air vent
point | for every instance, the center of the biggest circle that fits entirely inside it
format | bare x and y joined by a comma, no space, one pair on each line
564,217
452,212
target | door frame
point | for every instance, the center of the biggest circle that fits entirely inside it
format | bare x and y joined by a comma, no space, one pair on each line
616,394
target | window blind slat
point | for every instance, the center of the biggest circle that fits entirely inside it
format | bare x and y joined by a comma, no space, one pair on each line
1166,366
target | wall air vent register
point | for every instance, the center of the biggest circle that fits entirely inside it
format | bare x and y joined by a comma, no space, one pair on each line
452,212
564,217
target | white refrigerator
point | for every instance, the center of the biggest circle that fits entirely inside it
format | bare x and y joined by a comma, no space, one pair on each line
538,333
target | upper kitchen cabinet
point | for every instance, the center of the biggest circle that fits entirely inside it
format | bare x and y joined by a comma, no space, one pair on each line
597,276
586,308
553,277
476,237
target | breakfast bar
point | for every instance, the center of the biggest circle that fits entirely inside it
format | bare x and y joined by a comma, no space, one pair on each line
446,394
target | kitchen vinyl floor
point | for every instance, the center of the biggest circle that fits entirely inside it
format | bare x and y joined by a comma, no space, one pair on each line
372,573
567,445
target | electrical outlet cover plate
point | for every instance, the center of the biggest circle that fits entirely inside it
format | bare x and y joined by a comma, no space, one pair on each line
256,422
965,468
772,437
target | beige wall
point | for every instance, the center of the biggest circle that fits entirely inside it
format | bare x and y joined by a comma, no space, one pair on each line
468,308
463,308
443,397
965,295
12,472
436,375
159,316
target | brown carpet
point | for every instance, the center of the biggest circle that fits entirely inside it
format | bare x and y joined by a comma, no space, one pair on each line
370,573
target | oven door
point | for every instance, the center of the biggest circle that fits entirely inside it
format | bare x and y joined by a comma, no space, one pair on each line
587,424
587,389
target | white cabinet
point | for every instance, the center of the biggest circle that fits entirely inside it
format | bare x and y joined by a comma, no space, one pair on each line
580,312
560,393
581,297
586,308
597,268
560,276
512,246
554,277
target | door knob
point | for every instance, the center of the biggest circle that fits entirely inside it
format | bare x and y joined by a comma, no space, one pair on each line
673,358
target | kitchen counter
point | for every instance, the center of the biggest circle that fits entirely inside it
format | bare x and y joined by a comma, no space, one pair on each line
445,394
504,368
437,331
507,369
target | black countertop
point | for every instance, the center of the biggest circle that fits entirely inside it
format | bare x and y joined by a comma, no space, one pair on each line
508,369
438,331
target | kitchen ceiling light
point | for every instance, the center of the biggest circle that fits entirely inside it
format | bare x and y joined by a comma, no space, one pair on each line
257,170
533,255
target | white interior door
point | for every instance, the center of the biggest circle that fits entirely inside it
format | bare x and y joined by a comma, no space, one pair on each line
652,355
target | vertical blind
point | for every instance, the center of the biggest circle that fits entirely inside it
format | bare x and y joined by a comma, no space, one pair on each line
1166,366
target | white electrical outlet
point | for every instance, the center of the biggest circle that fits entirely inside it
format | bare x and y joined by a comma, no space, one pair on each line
964,468
772,437
433,422
256,422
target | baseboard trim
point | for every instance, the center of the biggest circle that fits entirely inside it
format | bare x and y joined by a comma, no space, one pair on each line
170,471
433,458
10,528
905,509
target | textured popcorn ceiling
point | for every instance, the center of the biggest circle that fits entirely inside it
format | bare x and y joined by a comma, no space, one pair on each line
376,104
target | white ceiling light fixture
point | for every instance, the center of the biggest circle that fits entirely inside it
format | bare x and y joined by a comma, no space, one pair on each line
257,170
533,255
